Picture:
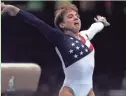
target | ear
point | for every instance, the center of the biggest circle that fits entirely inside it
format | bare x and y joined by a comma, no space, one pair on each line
61,25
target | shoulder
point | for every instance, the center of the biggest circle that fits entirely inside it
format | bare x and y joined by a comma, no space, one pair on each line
83,34
83,31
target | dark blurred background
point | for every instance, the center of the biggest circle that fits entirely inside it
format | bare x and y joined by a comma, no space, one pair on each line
21,42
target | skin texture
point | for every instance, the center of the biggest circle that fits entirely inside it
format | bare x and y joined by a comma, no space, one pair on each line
66,91
71,22
91,93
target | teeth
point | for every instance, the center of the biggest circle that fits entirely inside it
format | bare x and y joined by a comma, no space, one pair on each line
76,24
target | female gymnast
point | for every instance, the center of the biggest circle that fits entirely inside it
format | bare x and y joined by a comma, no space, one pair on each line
72,45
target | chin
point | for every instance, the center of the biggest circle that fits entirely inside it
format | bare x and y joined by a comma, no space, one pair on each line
76,30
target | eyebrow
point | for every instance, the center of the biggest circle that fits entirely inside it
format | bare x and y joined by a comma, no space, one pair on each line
72,14
69,14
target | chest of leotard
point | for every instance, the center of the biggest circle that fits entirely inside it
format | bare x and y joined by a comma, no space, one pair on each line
72,49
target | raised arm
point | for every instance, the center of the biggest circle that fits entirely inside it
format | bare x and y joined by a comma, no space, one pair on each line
95,27
44,28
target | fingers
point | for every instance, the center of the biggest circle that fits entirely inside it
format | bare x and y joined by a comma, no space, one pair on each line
3,8
2,5
102,19
107,24
95,19
98,16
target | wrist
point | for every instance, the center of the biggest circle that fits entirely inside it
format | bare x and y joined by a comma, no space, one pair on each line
105,23
101,22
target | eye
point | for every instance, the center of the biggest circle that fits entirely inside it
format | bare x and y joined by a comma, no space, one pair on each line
70,16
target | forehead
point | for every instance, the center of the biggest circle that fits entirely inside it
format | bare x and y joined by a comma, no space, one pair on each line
70,12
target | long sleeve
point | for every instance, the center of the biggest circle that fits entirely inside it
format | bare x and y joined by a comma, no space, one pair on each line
93,30
44,28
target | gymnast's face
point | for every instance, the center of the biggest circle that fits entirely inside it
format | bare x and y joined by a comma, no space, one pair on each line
71,21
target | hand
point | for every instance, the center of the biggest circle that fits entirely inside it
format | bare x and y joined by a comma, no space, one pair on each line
10,9
102,19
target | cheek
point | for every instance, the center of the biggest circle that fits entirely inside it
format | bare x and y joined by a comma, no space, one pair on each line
80,24
68,22
80,21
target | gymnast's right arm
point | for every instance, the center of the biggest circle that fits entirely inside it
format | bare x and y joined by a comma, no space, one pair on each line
44,28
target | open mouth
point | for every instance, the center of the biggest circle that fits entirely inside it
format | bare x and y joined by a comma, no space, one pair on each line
76,24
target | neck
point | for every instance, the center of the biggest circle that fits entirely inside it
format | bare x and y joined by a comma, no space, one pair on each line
76,35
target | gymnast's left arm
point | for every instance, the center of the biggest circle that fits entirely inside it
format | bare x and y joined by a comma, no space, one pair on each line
100,23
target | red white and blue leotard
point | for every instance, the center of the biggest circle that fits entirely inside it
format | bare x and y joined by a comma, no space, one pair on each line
77,56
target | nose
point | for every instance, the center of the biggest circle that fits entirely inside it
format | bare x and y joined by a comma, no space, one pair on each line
75,18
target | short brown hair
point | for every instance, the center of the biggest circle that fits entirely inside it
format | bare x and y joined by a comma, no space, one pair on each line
61,11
